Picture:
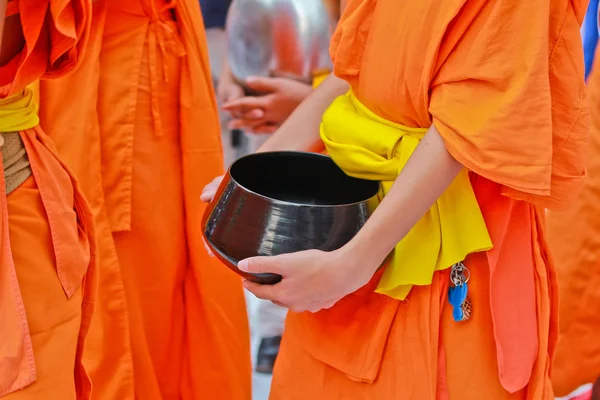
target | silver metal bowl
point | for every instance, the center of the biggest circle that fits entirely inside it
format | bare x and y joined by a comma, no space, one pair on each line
278,37
283,202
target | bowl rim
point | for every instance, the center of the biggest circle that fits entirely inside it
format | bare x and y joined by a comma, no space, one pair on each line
291,203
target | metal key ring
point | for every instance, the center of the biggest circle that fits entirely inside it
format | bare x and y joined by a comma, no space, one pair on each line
466,274
460,274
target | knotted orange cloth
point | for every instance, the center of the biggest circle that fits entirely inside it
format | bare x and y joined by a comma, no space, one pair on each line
152,136
574,237
47,245
503,84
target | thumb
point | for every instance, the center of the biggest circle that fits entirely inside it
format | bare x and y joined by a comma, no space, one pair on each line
260,265
262,84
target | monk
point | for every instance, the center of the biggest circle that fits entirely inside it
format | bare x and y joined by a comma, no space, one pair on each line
473,125
574,238
47,256
171,322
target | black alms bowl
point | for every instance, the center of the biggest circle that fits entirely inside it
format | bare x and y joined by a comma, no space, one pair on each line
282,202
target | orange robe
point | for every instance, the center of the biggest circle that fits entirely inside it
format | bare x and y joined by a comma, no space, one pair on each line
47,250
574,237
158,145
72,123
503,84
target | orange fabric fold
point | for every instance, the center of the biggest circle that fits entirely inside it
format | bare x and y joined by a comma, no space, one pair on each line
53,319
574,236
56,32
53,204
455,65
12,8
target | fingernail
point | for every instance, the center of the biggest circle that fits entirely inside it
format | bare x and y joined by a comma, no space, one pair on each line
243,265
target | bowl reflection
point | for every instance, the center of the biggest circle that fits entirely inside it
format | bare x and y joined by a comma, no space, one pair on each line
278,37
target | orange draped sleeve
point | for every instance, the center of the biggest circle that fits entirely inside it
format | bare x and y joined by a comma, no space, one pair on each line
528,127
55,33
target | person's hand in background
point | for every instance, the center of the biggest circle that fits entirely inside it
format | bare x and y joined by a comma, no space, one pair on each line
277,98
228,90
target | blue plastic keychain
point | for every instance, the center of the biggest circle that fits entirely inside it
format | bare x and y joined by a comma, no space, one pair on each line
458,294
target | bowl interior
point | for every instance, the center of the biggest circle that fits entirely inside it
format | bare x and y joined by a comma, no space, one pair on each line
300,178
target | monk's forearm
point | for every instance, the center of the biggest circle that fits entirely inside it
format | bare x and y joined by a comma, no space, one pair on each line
429,171
300,131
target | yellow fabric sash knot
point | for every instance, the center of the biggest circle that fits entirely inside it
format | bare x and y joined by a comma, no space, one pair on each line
367,146
18,112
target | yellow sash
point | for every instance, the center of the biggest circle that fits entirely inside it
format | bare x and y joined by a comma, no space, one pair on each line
319,77
18,112
369,147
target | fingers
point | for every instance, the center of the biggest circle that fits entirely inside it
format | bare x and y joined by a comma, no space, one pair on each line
262,84
278,295
248,119
245,124
207,195
266,292
284,75
210,190
208,250
245,104
229,92
253,114
260,265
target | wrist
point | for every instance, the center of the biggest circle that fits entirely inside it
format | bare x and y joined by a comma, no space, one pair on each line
360,252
